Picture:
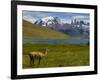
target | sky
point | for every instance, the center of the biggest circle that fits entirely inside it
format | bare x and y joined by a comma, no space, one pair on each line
63,16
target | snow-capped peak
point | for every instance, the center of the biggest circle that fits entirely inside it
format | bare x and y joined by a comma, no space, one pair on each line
48,18
48,21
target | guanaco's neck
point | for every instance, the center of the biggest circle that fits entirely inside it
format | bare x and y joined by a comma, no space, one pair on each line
45,51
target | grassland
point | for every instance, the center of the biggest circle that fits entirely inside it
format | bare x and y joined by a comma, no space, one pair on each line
59,55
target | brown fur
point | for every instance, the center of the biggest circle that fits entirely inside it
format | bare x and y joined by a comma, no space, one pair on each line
37,55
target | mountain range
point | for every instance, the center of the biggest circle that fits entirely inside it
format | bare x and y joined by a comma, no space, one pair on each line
76,28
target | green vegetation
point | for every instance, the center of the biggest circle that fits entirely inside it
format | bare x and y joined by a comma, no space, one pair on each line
59,55
32,31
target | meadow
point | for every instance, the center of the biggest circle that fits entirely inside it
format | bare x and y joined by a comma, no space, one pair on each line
59,55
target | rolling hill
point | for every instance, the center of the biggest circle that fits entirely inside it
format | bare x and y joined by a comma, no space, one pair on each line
32,31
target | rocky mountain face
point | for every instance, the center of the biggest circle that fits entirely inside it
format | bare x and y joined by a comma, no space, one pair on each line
52,22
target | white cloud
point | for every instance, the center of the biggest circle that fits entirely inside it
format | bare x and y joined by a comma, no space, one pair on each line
81,17
36,14
29,18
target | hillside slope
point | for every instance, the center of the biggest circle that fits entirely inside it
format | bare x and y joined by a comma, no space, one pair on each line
32,31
